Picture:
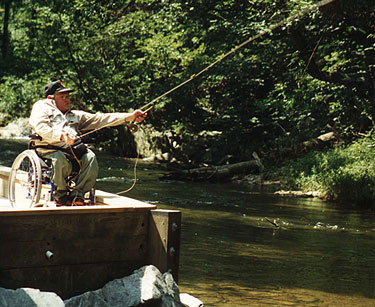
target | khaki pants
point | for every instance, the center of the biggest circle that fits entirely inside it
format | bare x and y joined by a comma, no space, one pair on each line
62,167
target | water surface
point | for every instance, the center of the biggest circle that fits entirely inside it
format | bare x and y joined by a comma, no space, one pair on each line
232,254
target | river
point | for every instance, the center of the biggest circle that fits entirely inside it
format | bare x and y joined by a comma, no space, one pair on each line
232,254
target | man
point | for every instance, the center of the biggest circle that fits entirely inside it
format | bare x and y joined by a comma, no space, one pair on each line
59,128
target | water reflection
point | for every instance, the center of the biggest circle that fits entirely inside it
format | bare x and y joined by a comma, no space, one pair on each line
232,255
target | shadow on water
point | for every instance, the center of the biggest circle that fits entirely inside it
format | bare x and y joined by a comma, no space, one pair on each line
9,149
232,254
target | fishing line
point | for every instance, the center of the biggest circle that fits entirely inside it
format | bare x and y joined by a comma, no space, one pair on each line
218,60
135,177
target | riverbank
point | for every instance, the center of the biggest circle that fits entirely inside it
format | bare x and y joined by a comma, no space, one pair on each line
276,187
344,174
232,256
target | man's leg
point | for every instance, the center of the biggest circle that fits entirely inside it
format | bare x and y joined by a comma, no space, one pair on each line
87,175
61,168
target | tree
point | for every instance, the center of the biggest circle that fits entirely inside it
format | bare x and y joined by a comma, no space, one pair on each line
338,48
281,89
5,36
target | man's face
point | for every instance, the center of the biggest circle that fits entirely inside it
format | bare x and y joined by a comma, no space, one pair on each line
62,101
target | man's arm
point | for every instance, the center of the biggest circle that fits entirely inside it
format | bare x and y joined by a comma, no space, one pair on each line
90,121
136,116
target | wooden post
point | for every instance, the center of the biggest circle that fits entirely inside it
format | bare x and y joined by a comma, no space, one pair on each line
164,240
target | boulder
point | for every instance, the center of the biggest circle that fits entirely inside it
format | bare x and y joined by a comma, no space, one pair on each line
190,301
17,128
27,297
146,286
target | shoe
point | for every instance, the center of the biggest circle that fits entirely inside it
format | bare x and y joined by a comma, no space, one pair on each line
64,200
78,201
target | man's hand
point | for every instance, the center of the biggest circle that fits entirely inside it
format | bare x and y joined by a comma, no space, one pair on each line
137,116
67,139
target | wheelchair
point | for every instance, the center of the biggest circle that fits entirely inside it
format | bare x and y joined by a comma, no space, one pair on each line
30,183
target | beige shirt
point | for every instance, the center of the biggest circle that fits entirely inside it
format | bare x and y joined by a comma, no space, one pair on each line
50,123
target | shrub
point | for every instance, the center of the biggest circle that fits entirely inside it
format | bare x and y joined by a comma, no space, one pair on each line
345,174
17,96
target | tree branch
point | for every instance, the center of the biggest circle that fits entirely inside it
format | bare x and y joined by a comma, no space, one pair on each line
314,70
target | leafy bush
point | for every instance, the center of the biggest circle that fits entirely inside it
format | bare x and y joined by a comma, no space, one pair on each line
17,96
345,174
275,92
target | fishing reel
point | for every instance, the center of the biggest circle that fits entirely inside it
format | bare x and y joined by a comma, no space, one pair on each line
132,127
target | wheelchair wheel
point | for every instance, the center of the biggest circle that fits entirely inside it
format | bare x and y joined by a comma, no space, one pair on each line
25,177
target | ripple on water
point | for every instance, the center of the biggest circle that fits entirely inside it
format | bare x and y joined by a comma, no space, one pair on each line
321,255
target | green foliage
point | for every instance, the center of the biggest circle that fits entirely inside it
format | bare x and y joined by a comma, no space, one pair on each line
122,55
17,96
346,174
309,76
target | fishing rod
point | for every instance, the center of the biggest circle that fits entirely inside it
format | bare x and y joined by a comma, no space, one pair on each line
249,40
132,125
134,128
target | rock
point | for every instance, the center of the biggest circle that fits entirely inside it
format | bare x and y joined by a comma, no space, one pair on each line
182,146
150,158
190,301
18,128
299,193
146,286
27,297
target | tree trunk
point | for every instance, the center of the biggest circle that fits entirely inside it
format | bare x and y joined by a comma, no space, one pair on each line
5,38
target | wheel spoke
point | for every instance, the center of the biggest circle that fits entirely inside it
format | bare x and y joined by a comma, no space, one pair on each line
25,180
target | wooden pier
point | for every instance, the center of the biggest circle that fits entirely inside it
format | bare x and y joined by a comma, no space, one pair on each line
70,250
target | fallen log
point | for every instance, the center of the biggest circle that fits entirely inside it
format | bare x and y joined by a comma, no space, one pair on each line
321,140
214,173
297,150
